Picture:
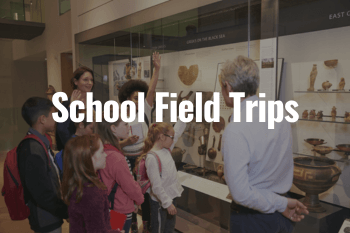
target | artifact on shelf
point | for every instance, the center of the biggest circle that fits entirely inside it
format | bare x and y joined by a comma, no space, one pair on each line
188,76
342,84
219,146
331,63
188,136
347,114
200,170
319,115
212,151
127,71
139,70
203,145
323,150
315,141
314,176
218,126
305,114
189,167
312,114
334,113
313,75
344,148
326,85
133,72
177,154
180,98
220,171
347,118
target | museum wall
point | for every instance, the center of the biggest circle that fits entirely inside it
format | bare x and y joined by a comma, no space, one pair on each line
56,39
305,49
19,80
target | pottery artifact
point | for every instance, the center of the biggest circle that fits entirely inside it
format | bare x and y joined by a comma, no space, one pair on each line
313,75
305,114
334,113
220,171
347,119
326,85
312,114
188,76
212,151
127,71
331,63
319,115
342,84
323,150
314,176
218,126
139,70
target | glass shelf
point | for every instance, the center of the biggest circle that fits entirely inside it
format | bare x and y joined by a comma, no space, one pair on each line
337,92
327,119
342,160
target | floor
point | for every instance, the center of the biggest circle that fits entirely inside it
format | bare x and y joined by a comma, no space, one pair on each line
9,226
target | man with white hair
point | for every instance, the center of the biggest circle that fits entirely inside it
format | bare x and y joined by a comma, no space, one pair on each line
258,161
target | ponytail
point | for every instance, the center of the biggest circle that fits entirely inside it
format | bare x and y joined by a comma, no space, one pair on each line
152,136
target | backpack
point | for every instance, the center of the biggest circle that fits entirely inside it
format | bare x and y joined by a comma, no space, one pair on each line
59,161
13,189
141,173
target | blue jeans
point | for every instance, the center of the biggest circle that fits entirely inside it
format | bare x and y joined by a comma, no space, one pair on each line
259,223
127,225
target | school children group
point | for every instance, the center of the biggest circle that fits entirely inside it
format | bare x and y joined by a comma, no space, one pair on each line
95,171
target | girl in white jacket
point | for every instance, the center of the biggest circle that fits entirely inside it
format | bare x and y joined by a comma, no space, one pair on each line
165,187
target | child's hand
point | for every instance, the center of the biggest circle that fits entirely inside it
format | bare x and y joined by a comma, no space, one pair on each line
156,60
136,209
172,210
132,139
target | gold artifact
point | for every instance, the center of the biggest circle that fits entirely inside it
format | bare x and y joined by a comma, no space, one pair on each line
326,85
305,114
188,76
331,63
334,113
220,171
312,114
342,84
313,75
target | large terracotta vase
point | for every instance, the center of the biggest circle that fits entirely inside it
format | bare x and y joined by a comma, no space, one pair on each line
315,176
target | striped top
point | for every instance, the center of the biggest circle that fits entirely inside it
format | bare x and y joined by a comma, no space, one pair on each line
136,149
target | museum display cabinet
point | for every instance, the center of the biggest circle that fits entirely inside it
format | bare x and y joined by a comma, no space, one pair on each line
301,49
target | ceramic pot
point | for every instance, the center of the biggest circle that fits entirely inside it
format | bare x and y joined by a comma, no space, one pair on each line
314,176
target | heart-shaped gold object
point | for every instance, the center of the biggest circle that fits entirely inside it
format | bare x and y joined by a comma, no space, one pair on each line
188,76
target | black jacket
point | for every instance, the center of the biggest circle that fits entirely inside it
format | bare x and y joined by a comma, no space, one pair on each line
41,185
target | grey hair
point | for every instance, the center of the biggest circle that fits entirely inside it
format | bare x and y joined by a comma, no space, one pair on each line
242,74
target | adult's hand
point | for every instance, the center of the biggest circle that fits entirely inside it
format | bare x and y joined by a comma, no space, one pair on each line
295,210
76,95
172,209
156,60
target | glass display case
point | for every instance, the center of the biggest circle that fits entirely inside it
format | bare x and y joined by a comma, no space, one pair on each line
285,38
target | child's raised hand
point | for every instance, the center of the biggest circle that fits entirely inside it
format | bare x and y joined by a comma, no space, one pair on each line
132,139
156,60
172,210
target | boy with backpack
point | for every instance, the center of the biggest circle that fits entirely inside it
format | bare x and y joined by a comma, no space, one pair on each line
38,172
81,128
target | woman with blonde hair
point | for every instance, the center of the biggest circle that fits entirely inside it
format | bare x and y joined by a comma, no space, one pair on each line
82,189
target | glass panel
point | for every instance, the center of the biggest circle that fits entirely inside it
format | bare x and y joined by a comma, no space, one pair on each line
64,6
23,10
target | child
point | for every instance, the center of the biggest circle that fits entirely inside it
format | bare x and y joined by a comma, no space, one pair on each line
165,187
82,189
38,172
82,128
118,170
133,146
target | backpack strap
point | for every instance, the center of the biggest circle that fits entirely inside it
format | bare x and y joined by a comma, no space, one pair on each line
111,195
146,121
32,136
159,163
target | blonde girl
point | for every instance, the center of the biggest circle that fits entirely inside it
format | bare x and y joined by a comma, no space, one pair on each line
165,187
